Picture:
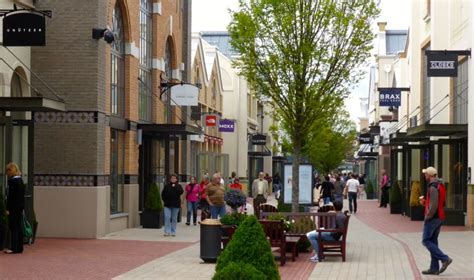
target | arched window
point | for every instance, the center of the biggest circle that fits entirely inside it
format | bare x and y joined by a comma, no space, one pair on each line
117,96
146,41
169,75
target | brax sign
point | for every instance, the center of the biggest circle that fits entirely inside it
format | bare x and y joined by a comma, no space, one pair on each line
442,65
24,29
390,97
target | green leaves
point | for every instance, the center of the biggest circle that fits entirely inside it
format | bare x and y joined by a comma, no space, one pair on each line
153,199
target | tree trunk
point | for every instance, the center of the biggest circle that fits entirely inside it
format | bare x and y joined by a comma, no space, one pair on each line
295,190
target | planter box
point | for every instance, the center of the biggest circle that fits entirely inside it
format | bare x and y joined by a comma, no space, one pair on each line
417,213
370,195
151,219
396,208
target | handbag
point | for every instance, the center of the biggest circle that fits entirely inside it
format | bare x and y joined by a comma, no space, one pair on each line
27,230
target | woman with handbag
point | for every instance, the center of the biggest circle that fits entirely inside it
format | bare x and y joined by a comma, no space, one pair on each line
192,198
171,195
15,207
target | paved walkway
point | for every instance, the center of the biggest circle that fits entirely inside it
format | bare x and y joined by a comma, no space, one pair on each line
380,246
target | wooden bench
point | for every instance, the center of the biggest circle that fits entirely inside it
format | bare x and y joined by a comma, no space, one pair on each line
264,207
324,222
327,222
275,232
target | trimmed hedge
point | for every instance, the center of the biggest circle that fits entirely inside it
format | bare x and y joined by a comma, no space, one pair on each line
415,194
238,271
249,245
153,199
395,196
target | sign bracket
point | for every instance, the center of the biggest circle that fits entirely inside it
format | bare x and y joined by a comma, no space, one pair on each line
457,52
46,13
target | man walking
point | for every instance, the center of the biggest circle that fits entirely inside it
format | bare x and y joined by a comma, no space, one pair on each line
215,197
434,216
259,191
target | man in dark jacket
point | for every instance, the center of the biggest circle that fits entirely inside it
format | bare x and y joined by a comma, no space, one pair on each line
434,216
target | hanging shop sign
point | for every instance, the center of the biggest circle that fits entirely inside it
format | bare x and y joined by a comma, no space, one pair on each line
226,125
211,120
366,138
390,97
259,139
184,95
442,65
24,28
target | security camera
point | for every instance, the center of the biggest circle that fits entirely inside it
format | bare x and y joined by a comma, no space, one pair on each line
109,36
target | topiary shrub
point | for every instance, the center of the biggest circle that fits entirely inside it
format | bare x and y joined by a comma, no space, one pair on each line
395,199
249,245
238,271
153,199
415,194
233,219
370,190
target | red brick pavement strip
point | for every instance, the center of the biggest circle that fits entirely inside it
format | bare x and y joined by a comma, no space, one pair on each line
381,220
82,258
301,269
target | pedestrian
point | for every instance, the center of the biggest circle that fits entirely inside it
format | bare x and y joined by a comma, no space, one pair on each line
327,236
171,195
233,175
15,207
192,199
276,185
259,191
338,188
361,179
327,189
434,217
215,197
352,186
236,184
384,188
203,204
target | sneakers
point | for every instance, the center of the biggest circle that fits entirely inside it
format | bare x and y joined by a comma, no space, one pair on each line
166,234
187,224
314,258
430,272
445,265
173,234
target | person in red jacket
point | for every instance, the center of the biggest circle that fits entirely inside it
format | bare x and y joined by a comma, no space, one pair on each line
434,216
192,199
203,204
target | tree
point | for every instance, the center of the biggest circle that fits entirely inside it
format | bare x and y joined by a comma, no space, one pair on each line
302,56
331,142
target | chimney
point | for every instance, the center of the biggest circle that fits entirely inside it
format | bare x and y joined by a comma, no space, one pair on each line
382,26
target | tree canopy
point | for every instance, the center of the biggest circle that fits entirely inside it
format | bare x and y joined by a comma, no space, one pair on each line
302,56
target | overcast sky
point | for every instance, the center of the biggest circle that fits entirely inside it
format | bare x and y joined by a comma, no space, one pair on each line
213,15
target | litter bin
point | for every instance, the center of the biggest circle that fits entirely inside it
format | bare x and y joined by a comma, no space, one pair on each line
211,234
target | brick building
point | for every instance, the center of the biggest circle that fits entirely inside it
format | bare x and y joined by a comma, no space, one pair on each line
120,133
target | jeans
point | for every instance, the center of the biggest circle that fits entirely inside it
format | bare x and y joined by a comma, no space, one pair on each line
431,230
217,211
326,200
171,217
353,198
313,239
192,206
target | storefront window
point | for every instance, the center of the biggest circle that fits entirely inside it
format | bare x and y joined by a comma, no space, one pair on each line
117,172
146,39
117,98
460,94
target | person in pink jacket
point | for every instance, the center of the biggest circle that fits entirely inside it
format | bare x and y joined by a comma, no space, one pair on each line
192,198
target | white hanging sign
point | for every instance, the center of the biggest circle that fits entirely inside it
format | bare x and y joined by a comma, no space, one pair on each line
184,95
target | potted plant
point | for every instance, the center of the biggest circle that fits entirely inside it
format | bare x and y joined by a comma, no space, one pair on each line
395,199
370,190
417,210
3,220
229,224
235,199
151,216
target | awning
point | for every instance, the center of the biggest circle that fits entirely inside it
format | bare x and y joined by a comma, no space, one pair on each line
401,138
33,104
427,130
167,129
259,154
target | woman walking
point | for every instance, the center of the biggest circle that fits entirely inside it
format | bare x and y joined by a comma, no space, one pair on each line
192,198
171,195
15,207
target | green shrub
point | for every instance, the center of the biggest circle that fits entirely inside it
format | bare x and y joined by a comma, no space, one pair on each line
415,194
153,199
249,245
279,217
302,225
3,215
395,196
238,271
370,187
233,219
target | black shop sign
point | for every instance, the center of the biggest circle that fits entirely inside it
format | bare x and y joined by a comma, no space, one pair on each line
259,139
442,65
366,138
24,28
